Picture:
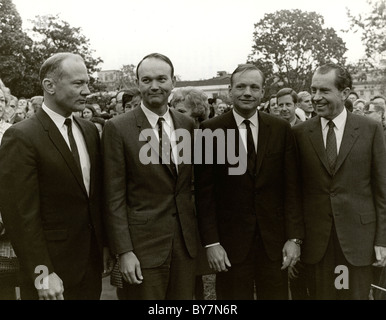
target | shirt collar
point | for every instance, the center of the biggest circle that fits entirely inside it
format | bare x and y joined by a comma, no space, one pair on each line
239,119
153,117
339,121
55,117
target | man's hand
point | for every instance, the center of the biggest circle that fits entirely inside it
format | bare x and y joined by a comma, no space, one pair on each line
55,288
291,254
107,261
380,255
130,268
217,258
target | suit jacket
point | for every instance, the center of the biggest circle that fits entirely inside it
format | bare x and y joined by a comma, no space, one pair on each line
354,197
143,200
48,215
230,207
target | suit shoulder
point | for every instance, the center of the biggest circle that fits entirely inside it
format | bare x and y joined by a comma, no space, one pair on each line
217,122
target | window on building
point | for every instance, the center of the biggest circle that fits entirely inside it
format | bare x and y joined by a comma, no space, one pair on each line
361,92
372,92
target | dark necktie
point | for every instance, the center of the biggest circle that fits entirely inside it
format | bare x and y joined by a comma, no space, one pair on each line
74,148
331,148
165,147
251,153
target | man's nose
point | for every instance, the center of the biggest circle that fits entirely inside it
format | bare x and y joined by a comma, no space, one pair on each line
154,85
86,91
247,91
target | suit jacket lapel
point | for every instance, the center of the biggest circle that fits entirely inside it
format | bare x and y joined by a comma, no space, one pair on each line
350,135
316,139
61,145
263,137
91,151
142,124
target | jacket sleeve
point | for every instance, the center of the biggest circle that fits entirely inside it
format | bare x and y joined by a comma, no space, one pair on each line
20,201
115,189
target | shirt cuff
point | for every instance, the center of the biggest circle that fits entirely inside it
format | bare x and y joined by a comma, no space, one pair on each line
212,245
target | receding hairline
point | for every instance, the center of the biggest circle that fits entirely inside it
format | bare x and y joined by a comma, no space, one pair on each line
52,67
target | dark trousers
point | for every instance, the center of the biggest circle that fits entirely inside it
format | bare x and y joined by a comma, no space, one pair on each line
173,280
89,288
239,282
318,280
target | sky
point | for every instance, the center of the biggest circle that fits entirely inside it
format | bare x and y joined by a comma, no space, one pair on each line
200,37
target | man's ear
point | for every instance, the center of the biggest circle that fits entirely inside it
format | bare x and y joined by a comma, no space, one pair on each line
49,85
174,81
345,93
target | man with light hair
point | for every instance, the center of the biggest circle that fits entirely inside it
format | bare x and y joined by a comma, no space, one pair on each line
305,108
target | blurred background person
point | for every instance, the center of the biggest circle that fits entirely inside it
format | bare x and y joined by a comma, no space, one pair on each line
287,100
192,102
358,106
36,102
273,109
376,112
305,108
89,113
20,115
353,96
131,99
3,102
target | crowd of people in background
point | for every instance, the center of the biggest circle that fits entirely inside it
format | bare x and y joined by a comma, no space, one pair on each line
286,104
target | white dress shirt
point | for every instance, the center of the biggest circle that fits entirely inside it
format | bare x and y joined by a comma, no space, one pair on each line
79,139
254,124
168,126
340,123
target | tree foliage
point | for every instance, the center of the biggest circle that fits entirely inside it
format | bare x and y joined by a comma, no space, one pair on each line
15,47
290,44
22,54
373,27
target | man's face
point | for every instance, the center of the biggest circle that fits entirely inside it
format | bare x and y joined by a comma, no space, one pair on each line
379,102
352,97
71,89
372,113
220,109
286,107
359,108
22,104
306,104
155,83
246,92
326,97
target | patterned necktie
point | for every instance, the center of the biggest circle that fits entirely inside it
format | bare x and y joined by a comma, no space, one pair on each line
165,147
74,148
331,147
251,153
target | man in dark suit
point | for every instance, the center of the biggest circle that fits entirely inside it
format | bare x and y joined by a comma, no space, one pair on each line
250,222
149,209
343,172
50,189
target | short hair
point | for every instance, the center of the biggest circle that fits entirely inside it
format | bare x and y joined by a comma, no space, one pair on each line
343,78
158,56
354,93
287,91
302,95
52,66
359,101
378,97
247,67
